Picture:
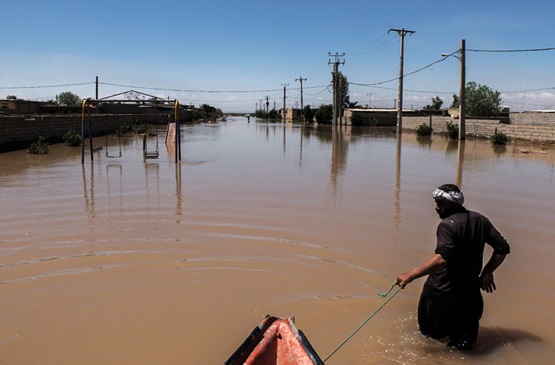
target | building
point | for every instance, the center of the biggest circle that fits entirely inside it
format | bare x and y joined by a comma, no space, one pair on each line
12,105
292,115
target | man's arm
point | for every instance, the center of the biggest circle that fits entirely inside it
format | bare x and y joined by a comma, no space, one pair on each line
488,284
433,264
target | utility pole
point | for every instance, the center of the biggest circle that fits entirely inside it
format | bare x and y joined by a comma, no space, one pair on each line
462,96
284,101
402,32
96,94
267,106
335,82
369,99
302,106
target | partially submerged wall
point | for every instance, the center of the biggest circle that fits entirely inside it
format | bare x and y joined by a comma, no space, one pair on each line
19,131
534,127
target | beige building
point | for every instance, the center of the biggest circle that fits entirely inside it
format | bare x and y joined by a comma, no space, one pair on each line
12,105
291,115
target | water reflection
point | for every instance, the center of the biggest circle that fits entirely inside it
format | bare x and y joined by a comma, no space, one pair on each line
88,191
397,216
117,170
178,193
340,147
460,162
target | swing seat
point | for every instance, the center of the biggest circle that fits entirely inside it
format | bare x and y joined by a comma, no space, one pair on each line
146,153
151,154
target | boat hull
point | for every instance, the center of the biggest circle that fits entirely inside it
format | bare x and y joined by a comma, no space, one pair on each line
276,341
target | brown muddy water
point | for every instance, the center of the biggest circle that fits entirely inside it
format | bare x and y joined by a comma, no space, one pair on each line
119,261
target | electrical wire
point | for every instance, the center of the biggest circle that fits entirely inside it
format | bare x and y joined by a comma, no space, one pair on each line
511,50
45,86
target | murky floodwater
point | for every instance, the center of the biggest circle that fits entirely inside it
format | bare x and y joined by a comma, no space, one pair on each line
119,261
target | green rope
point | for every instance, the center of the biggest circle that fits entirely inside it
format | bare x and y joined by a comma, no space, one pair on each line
383,295
369,318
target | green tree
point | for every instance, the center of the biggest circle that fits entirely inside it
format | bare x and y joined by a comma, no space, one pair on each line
68,98
324,114
480,100
456,101
308,114
210,112
343,88
436,104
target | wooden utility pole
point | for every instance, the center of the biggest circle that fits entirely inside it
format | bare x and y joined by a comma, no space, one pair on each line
335,82
402,32
462,96
302,106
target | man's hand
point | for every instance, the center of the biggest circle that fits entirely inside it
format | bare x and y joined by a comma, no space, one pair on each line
404,279
434,263
488,285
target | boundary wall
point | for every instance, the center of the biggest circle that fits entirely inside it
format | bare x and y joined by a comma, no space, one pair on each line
532,127
19,131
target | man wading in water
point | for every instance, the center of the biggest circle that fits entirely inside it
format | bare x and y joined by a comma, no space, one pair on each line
451,303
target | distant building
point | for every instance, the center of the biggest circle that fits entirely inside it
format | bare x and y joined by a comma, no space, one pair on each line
377,117
12,105
292,115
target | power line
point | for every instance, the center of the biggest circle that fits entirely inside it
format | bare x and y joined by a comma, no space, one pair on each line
526,91
511,50
45,86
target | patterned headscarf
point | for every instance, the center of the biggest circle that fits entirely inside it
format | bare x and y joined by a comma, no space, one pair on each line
451,196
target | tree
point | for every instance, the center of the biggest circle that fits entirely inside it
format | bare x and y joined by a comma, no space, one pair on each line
210,113
308,114
481,101
436,104
456,101
343,90
324,114
68,98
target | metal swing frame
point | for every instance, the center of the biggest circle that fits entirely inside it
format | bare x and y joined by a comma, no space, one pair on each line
86,121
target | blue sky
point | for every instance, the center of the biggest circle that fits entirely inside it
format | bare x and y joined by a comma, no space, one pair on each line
234,53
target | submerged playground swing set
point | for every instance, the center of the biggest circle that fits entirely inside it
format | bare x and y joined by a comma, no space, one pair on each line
152,103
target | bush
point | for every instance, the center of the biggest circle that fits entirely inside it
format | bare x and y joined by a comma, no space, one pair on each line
452,130
72,138
39,147
121,130
143,128
499,138
424,130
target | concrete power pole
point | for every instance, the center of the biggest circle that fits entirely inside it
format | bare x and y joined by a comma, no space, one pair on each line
462,96
284,102
335,80
402,32
302,106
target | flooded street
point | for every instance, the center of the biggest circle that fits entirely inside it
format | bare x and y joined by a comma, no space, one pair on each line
122,261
